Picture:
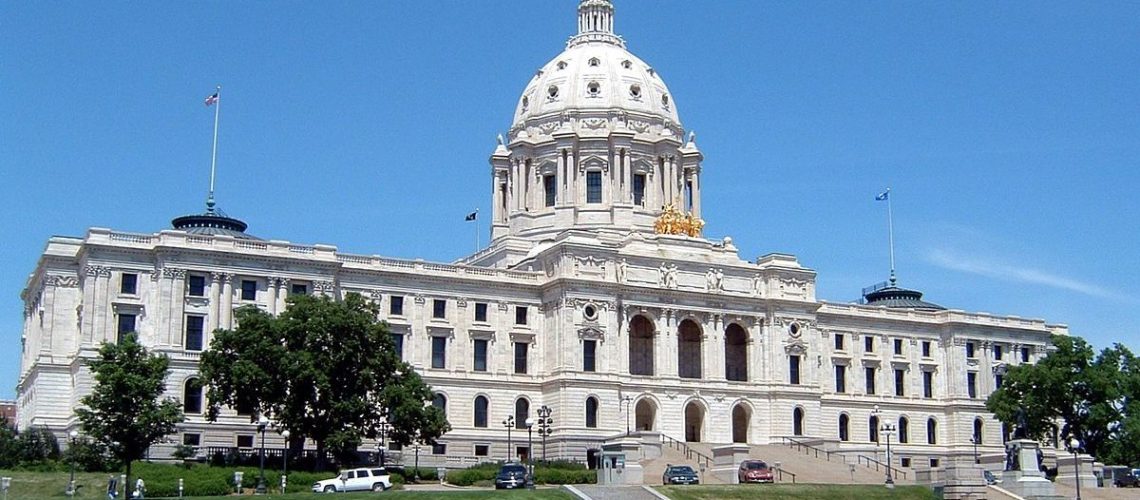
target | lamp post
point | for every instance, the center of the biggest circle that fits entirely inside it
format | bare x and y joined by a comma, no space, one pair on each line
416,478
887,430
509,423
974,441
262,423
285,461
544,424
530,453
627,401
71,451
381,447
1074,445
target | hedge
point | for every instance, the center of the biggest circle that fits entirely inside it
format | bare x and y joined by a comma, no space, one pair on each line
552,473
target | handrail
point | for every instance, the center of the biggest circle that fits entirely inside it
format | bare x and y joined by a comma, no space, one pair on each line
806,448
877,464
780,473
689,452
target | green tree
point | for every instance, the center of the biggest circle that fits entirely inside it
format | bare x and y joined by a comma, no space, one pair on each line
123,412
324,369
9,445
37,445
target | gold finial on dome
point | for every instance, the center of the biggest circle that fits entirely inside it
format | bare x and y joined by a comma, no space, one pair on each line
673,221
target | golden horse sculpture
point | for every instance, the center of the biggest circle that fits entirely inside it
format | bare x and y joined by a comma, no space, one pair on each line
673,221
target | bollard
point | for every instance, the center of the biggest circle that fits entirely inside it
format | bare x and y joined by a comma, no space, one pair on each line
126,489
283,484
5,483
237,480
179,487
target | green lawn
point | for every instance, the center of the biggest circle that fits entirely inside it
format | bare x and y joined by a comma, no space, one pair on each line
796,492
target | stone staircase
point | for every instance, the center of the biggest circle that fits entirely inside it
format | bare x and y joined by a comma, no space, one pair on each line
809,466
677,455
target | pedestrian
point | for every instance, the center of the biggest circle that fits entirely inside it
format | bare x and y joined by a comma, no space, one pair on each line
140,489
112,487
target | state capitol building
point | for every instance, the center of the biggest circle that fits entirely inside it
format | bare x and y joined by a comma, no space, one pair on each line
597,297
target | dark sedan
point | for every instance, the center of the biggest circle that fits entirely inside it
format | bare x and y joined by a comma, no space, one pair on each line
680,474
1128,481
511,476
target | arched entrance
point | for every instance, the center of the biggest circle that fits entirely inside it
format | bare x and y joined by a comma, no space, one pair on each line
735,353
741,419
640,346
645,415
694,422
689,350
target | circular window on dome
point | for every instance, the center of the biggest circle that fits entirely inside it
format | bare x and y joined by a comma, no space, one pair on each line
794,329
665,100
635,91
594,88
626,64
590,312
552,91
594,61
525,103
561,64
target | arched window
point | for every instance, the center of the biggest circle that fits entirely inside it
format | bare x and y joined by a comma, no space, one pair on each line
440,401
735,353
904,432
522,411
873,429
591,412
192,396
977,431
931,431
844,421
481,405
798,422
689,350
640,346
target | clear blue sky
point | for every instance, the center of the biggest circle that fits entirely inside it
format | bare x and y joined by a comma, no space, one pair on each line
1008,132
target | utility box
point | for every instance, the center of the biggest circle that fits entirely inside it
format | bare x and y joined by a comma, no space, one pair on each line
612,468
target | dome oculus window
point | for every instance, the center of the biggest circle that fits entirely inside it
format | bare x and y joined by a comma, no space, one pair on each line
594,61
525,103
593,88
635,91
626,64
794,329
590,312
561,64
552,91
665,100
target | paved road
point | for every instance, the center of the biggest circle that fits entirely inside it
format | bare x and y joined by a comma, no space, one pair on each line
596,492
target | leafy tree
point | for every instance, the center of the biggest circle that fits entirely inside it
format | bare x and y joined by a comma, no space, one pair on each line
37,445
324,369
9,445
89,455
123,411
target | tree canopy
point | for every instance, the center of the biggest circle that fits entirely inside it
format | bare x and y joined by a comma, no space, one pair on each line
1072,393
123,411
325,370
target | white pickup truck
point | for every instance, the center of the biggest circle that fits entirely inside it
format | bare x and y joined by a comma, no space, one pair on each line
364,479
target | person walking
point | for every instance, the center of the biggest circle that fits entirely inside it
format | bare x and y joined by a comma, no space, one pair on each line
112,488
140,489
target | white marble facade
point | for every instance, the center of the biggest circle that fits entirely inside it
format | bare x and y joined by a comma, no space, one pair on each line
697,341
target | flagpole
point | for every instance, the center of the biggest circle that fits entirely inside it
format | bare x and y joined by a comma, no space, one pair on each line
476,229
214,154
891,235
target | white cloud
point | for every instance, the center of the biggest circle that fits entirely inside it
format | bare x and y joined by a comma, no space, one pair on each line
1008,272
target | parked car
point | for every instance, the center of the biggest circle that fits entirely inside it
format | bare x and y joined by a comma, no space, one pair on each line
1127,481
990,477
755,471
680,474
511,476
363,479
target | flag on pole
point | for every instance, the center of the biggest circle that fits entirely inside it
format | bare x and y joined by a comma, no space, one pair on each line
884,195
471,216
211,99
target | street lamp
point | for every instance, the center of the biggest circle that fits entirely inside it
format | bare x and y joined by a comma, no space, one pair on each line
509,423
974,441
381,447
887,430
285,461
262,423
627,401
1075,445
71,451
530,453
416,478
544,423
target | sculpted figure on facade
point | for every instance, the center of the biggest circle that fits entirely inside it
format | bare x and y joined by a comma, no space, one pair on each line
671,276
621,268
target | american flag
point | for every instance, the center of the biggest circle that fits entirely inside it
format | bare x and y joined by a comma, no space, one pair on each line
211,99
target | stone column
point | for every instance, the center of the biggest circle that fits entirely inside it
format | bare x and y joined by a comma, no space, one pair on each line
215,306
227,312
282,293
271,293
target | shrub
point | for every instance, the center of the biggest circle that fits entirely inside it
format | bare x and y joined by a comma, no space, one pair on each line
38,444
90,456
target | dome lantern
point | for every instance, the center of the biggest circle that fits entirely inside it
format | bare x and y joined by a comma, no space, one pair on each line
596,23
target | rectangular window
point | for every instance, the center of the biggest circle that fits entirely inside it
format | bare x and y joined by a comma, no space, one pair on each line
905,461
398,345
245,441
794,370
972,384
480,346
639,189
970,350
927,384
191,439
248,290
481,312
129,284
688,196
840,379
196,285
926,348
900,382
998,379
520,356
868,343
126,325
520,315
439,352
550,187
299,289
1024,354
589,351
593,187
439,449
934,462
898,347
482,450
839,342
869,377
194,332
396,306
997,352
439,308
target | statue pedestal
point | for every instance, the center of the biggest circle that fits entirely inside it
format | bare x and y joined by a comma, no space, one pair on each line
726,462
1067,470
1027,480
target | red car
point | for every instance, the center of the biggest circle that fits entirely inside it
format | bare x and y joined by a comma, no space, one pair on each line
755,471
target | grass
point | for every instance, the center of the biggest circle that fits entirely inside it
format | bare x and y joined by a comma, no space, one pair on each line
796,492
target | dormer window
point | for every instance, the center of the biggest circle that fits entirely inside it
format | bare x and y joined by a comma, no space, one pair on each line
635,91
525,103
594,61
665,100
552,91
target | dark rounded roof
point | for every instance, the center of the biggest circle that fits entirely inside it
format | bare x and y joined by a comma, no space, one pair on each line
899,298
212,224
